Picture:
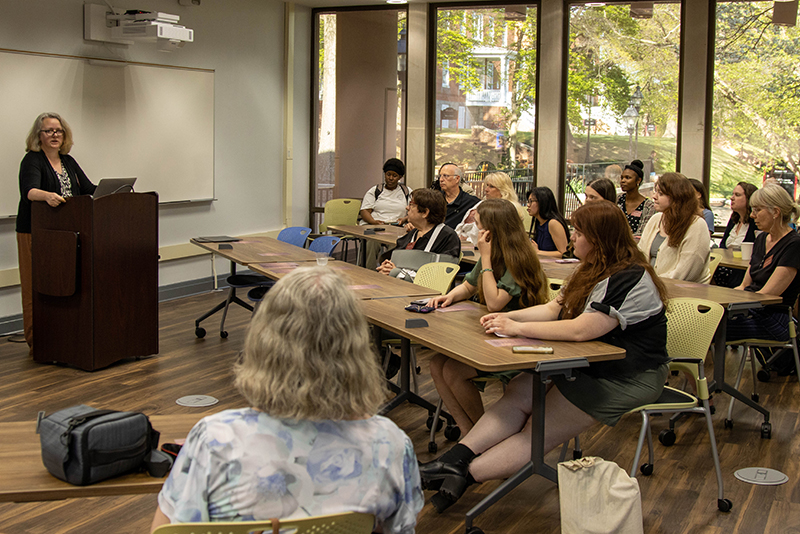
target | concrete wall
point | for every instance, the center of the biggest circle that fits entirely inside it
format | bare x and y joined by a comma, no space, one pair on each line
243,41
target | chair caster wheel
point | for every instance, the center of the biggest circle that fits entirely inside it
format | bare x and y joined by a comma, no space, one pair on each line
754,396
763,375
223,334
577,455
432,447
724,505
200,332
766,430
727,424
646,469
712,409
429,423
474,530
452,432
667,437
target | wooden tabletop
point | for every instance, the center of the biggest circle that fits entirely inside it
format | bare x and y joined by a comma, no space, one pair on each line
718,294
459,335
365,283
387,236
729,260
258,250
23,476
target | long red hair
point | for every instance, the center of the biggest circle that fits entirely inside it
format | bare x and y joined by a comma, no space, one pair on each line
606,229
682,209
512,250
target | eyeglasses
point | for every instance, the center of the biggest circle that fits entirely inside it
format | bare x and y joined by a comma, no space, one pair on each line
756,209
52,132
532,201
447,176
412,203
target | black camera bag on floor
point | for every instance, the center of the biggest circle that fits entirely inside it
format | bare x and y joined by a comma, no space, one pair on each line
82,445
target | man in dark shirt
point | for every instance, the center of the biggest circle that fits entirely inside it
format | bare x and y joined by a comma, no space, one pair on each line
458,202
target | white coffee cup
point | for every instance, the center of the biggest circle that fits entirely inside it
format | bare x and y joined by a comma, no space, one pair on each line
322,259
747,251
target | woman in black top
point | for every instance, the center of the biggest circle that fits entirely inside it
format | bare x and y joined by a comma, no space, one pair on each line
47,174
426,211
773,266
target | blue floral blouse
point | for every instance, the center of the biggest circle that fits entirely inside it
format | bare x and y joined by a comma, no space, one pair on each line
245,465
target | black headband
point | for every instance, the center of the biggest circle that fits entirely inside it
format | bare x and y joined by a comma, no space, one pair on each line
638,170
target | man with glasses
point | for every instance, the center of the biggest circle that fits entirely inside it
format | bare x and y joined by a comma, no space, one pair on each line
458,201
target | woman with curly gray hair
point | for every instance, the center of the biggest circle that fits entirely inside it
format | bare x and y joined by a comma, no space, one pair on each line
310,442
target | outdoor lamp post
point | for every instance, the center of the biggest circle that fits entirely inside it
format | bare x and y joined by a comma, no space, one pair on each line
629,119
636,102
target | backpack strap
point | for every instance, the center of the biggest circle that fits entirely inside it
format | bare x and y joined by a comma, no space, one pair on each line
433,237
379,190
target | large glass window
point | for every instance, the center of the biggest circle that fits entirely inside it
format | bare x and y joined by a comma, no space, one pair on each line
360,104
486,91
756,121
622,91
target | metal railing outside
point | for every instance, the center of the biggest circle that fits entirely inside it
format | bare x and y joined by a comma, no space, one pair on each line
523,180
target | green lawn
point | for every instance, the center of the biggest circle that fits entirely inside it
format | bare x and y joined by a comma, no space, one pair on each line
726,170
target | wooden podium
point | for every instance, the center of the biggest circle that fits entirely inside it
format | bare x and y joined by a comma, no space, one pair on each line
95,279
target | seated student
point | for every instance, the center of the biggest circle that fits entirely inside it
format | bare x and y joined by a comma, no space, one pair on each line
741,228
676,239
773,265
703,207
310,443
638,208
613,296
507,276
384,204
459,202
601,189
495,185
549,232
426,212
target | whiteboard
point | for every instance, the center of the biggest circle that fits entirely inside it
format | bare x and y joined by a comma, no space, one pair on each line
149,121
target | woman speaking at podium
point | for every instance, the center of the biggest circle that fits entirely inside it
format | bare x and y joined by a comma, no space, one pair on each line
47,174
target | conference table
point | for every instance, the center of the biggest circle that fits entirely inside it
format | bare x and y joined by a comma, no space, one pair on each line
384,234
243,252
729,260
23,476
457,333
364,283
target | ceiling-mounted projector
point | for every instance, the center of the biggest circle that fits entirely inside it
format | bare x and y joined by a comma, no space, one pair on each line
102,23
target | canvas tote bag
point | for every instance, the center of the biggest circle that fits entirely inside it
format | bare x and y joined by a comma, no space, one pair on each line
597,496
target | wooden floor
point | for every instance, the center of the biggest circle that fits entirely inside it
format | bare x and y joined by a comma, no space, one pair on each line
679,497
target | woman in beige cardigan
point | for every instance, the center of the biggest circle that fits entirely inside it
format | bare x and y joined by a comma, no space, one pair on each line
675,239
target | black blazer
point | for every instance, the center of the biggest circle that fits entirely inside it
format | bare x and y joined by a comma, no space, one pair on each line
35,172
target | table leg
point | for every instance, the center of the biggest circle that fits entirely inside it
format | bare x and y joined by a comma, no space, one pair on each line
404,393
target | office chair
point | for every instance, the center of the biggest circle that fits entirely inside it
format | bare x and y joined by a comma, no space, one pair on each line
341,211
713,263
324,243
295,235
691,324
344,523
764,374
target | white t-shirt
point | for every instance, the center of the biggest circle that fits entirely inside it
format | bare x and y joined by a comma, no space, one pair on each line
390,206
